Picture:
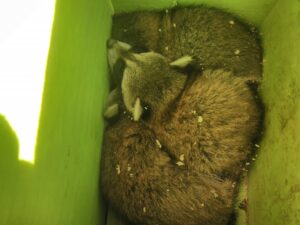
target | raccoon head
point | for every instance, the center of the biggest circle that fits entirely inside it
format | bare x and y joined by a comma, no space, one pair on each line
149,79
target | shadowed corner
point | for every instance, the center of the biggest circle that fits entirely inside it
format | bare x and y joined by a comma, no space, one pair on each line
9,147
115,219
10,165
13,172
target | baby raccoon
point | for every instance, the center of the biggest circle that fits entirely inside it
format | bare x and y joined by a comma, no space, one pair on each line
217,110
145,185
195,142
133,86
214,38
213,125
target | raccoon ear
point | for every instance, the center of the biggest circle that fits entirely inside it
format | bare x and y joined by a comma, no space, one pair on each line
112,43
124,46
182,62
111,111
115,50
137,110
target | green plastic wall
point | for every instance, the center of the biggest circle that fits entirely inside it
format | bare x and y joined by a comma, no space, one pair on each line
274,188
61,188
254,11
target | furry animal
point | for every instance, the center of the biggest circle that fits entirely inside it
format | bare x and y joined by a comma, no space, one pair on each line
214,123
214,38
144,184
180,164
146,64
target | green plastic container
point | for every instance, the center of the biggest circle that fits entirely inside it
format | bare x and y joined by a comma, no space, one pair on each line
61,187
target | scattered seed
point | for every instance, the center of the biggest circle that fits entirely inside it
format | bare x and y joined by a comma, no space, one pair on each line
194,112
256,145
131,175
128,168
237,52
167,11
125,30
174,25
168,190
202,205
124,112
144,210
200,119
180,163
118,168
233,184
181,157
231,22
158,143
192,208
167,48
253,159
247,163
159,30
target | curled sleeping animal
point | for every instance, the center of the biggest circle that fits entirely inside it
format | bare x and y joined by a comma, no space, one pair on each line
214,38
180,163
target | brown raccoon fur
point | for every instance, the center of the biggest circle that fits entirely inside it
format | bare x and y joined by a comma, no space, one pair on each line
215,39
179,165
142,182
213,125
